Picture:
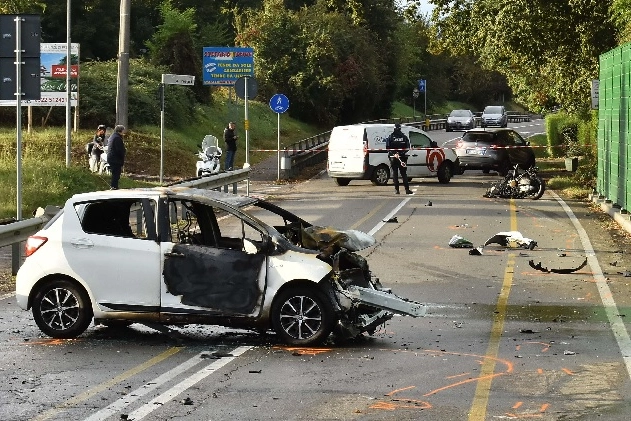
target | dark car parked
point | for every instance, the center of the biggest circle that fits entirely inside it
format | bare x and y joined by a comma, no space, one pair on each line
494,149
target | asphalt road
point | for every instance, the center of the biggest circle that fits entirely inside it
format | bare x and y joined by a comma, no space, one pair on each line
501,340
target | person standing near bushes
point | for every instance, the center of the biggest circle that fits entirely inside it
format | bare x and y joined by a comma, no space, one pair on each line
230,138
116,154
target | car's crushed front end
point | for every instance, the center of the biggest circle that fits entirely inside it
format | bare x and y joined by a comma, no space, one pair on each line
361,302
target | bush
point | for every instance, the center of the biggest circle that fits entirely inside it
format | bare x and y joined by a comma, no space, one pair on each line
562,132
97,100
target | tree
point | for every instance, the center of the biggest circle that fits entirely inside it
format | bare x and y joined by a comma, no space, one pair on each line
547,50
332,68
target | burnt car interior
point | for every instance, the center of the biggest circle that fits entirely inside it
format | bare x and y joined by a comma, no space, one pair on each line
216,260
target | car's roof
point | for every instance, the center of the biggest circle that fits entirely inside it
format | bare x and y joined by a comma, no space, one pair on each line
228,199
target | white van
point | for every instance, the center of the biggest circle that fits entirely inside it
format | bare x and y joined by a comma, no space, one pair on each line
358,152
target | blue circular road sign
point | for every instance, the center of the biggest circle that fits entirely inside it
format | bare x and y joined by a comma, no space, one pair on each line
279,103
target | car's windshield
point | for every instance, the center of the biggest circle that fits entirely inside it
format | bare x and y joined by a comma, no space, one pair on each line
459,113
493,110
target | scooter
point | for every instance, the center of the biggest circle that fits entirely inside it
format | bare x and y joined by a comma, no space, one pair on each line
209,157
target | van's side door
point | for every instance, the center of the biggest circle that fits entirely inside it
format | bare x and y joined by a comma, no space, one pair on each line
417,157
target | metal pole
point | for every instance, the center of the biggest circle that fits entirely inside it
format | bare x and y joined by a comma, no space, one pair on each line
16,251
162,129
278,128
18,112
68,90
247,140
122,83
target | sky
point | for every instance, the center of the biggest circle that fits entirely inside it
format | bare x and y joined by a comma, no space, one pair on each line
426,8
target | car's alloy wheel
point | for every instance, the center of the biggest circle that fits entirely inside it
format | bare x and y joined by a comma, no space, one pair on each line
381,175
302,316
62,309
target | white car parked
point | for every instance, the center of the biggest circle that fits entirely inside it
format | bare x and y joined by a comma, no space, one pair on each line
173,256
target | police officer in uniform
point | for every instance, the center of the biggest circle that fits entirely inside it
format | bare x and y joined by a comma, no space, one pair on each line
398,145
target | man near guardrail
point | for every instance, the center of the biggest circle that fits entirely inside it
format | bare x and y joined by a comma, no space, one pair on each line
230,138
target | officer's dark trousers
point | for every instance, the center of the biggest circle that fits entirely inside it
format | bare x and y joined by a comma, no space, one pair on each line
396,167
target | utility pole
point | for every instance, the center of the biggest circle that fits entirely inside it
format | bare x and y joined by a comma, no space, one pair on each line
68,86
122,82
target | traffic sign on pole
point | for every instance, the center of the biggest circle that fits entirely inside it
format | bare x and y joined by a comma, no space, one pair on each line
279,103
421,85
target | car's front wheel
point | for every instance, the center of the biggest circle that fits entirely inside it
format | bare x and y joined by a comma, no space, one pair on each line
62,309
381,175
302,316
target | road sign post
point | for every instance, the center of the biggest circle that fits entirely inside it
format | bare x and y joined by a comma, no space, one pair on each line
279,103
169,79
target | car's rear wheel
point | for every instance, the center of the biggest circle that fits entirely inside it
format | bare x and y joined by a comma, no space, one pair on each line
381,175
62,309
342,181
200,173
302,316
444,173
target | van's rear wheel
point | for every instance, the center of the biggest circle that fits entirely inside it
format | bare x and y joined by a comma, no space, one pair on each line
342,181
381,175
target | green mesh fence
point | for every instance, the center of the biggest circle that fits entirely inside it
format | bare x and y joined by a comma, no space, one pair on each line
614,126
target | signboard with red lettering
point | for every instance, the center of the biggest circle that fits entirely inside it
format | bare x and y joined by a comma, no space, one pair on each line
53,58
224,65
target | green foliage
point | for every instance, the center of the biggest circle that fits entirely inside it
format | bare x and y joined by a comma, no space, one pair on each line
545,59
562,134
334,68
98,95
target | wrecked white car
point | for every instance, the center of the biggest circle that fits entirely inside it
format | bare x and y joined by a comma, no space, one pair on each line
174,256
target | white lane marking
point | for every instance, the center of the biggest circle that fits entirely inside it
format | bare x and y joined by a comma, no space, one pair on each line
611,309
155,403
390,215
146,388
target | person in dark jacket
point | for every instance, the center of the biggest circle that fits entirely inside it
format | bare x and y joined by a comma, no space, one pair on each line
116,154
231,145
96,148
398,145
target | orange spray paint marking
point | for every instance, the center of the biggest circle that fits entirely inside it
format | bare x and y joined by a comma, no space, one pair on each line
539,371
517,405
458,375
51,342
304,351
567,371
399,390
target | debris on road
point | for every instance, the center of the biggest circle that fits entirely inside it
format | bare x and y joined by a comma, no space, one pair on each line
458,241
512,239
562,271
476,251
393,219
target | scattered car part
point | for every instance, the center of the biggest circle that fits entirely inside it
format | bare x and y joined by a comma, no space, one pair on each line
561,271
512,239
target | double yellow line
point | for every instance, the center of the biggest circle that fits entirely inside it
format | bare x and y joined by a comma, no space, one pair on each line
477,412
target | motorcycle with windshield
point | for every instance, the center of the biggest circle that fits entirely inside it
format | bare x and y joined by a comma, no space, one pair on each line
209,157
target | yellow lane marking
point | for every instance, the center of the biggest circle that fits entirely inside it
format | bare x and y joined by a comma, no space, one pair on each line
477,412
370,214
104,386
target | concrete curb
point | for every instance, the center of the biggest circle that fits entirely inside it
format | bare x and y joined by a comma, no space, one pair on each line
621,216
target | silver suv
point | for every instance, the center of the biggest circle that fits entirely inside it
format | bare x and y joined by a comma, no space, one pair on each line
494,115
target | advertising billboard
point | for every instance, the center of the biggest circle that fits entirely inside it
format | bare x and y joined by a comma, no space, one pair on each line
53,58
224,65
